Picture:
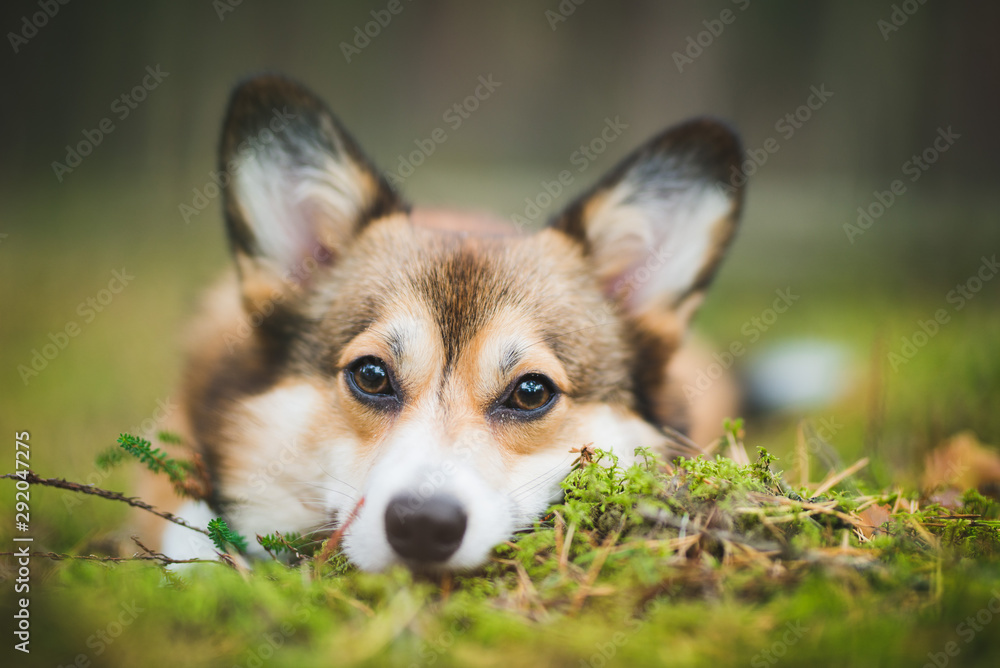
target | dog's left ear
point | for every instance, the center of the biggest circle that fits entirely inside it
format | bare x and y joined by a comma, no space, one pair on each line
657,227
300,191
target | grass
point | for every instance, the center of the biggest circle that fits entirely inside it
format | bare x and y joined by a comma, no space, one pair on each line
752,576
701,562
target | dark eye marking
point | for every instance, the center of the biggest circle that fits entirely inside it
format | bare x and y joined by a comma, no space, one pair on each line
529,397
370,381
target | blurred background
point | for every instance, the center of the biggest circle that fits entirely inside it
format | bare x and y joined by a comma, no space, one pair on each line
111,115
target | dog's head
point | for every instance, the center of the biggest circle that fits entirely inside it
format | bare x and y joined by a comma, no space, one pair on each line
443,376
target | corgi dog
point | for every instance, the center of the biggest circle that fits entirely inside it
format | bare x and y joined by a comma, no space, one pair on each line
430,377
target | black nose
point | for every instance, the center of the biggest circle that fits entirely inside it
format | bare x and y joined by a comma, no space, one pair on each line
425,530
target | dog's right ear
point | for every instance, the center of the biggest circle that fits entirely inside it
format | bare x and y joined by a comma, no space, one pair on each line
299,190
657,227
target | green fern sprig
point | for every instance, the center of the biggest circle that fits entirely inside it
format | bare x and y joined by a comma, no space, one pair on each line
110,458
156,460
277,542
169,437
223,536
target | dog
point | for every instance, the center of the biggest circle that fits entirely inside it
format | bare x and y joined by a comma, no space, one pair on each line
429,377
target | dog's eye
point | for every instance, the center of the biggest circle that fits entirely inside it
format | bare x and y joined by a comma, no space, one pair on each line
370,376
530,393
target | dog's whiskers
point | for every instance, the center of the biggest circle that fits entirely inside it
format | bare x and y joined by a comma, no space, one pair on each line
681,444
325,489
517,489
336,479
554,473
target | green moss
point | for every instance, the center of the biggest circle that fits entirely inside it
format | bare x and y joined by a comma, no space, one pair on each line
702,562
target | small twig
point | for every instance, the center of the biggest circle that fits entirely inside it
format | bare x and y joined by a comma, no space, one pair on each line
55,556
869,501
135,539
595,569
298,556
679,545
564,552
808,508
273,556
528,587
924,533
166,561
60,483
559,524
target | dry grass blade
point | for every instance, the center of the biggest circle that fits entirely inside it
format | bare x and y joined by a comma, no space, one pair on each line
333,542
564,552
833,480
529,589
802,455
737,451
558,529
594,571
